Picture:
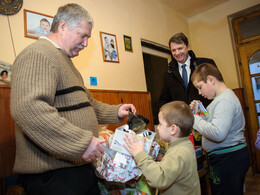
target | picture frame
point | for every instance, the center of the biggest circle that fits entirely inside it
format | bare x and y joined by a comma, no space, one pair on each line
109,47
5,72
36,24
128,43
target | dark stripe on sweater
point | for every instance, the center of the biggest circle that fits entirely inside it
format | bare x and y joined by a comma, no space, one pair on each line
73,107
69,90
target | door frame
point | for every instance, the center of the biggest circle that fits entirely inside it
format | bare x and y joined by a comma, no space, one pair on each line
245,53
155,50
241,57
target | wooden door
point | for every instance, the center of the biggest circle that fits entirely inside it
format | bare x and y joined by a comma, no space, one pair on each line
250,60
246,33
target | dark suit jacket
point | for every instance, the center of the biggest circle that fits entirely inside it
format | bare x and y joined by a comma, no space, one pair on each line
174,88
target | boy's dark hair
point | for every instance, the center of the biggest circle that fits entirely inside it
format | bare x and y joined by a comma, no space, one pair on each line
179,38
180,114
202,72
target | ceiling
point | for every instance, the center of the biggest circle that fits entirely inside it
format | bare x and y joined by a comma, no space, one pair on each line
191,7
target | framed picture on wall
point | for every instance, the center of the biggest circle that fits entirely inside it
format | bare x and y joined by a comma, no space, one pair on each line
128,43
36,24
109,47
5,72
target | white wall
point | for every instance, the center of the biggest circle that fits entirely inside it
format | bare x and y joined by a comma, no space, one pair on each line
148,19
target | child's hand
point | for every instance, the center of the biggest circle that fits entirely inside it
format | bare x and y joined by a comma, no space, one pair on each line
132,144
192,104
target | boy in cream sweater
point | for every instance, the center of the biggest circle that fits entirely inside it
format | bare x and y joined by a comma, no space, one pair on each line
177,172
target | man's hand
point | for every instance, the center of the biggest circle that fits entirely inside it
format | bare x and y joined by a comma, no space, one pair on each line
123,110
133,146
94,150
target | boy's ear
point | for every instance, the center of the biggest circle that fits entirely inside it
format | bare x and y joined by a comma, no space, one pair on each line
174,130
211,79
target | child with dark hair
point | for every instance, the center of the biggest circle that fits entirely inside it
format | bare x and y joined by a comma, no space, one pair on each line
177,172
222,132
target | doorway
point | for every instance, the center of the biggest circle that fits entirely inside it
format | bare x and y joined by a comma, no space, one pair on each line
156,59
246,32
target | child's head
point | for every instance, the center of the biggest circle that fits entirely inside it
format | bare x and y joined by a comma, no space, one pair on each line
45,24
204,70
175,115
204,78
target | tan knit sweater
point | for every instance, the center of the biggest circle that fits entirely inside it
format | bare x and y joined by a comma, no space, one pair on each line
55,114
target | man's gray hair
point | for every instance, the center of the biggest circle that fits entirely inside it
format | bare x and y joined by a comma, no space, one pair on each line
72,14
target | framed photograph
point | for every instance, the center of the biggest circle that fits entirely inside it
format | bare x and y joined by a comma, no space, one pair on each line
5,72
109,47
36,24
128,43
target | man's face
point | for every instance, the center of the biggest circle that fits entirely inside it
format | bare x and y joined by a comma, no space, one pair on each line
179,52
76,39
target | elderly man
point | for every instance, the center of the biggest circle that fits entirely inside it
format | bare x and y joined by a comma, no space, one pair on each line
56,117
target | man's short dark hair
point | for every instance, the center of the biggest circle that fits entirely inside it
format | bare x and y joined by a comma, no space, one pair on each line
179,38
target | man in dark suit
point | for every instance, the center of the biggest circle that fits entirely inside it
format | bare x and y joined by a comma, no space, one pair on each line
177,84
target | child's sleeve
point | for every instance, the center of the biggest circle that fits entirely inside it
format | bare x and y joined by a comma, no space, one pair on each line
160,174
257,143
217,128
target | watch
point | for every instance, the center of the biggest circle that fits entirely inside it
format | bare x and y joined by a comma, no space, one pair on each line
10,7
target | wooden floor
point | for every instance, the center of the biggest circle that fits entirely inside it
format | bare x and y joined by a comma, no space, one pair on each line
252,185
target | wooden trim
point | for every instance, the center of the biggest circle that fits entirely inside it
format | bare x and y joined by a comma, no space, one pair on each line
140,99
236,27
115,91
5,86
155,47
7,135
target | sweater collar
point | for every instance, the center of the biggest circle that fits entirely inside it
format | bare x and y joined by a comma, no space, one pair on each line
55,44
178,141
